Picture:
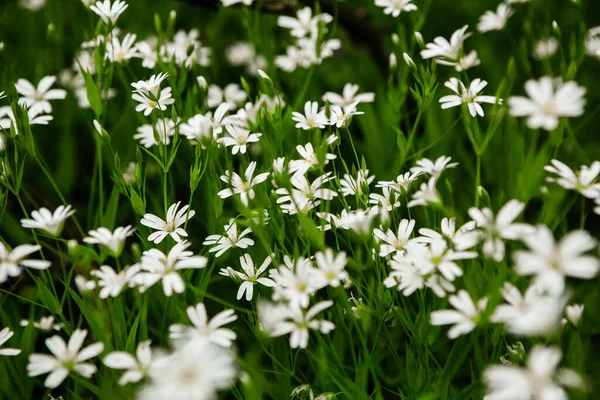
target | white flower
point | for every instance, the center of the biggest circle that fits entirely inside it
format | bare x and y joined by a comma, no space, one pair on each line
592,43
109,12
462,239
151,102
495,21
356,186
239,138
157,266
348,97
118,51
151,85
65,358
427,194
305,23
444,49
395,7
581,181
40,95
219,120
6,334
432,168
232,95
402,182
551,262
388,200
146,50
330,271
539,380
51,222
532,314
437,257
464,319
305,194
295,282
111,282
231,238
394,243
83,285
547,102
32,5
495,229
250,277
241,186
137,367
227,3
211,330
574,313
299,322
11,261
469,96
114,241
164,129
198,128
312,117
339,116
308,161
170,227
545,48
46,324
195,370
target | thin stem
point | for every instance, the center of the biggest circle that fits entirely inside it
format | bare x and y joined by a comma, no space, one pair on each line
477,178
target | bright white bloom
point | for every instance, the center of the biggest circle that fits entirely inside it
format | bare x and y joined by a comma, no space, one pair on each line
51,222
198,128
438,257
592,43
66,358
464,319
137,367
232,94
219,120
45,324
83,285
309,159
151,102
339,116
40,95
468,96
109,12
12,261
239,138
545,48
427,194
451,52
295,282
547,102
227,3
34,113
312,117
111,282
32,5
196,370
539,380
299,322
250,277
395,7
581,181
241,186
433,168
356,186
348,97
394,243
402,182
156,266
203,328
532,314
462,239
495,21
304,24
114,241
146,50
330,268
118,51
500,227
170,227
231,238
574,313
551,262
305,195
6,334
164,129
388,200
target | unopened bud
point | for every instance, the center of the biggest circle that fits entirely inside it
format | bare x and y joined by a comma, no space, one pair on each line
263,74
395,38
420,40
393,61
202,82
409,61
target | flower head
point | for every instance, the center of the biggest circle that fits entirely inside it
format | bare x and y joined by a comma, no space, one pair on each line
109,12
51,222
113,241
172,226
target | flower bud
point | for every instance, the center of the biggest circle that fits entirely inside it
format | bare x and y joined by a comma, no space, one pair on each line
409,61
395,38
202,82
420,40
393,62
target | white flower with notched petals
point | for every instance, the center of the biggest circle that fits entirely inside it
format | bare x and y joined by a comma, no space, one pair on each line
309,159
468,96
299,322
137,367
551,262
402,182
462,239
65,358
51,222
426,195
231,238
304,23
11,261
45,324
394,243
109,12
495,21
581,181
198,128
502,226
6,334
113,241
388,200
464,318
250,277
312,117
34,114
451,52
241,186
211,330
118,51
356,186
157,266
295,281
539,380
330,269
172,226
339,115
547,102
151,102
433,168
232,95
112,282
238,138
219,120
348,97
395,7
40,95
164,129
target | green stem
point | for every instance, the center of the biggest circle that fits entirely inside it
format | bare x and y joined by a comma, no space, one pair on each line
477,178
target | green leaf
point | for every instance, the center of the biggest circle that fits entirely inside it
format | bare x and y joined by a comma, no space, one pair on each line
91,318
93,94
139,206
312,231
47,297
